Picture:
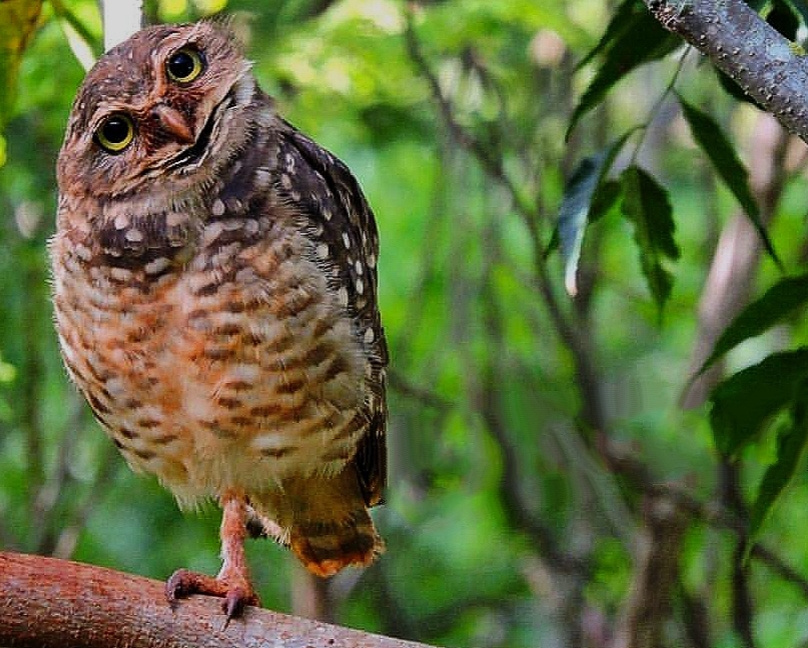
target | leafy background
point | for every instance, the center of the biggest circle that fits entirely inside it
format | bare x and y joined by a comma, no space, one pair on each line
573,211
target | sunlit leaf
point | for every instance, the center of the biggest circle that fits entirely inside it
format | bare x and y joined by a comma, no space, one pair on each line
18,22
572,216
720,152
85,47
7,371
745,402
637,40
778,302
790,447
585,198
800,7
646,204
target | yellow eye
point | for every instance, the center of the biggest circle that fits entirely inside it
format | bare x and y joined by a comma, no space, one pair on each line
185,65
115,133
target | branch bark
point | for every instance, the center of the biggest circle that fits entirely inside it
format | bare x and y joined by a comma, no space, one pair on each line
51,603
766,65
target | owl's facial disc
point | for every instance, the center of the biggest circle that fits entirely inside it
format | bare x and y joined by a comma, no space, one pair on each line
172,102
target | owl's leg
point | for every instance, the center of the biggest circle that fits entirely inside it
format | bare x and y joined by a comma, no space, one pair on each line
233,581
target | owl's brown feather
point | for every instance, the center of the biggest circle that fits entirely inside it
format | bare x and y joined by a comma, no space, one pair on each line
216,299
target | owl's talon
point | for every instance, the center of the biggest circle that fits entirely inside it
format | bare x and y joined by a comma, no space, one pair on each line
177,586
234,601
236,595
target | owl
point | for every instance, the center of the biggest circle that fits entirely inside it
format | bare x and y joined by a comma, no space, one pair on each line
215,297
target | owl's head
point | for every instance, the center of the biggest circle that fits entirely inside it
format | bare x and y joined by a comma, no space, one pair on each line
158,114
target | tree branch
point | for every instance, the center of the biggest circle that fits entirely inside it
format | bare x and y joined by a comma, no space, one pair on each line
46,602
656,578
766,65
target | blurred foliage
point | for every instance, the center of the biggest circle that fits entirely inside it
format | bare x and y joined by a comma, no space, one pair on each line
18,21
504,146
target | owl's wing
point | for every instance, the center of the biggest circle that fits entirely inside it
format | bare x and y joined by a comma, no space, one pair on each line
323,189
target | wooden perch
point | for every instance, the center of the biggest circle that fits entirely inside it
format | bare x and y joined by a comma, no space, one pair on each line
46,602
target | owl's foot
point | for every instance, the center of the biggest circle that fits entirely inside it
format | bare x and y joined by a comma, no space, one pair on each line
233,582
236,591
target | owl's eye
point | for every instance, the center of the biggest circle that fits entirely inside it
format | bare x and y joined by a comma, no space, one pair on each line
115,133
185,65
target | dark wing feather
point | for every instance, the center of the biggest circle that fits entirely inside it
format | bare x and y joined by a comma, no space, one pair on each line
324,190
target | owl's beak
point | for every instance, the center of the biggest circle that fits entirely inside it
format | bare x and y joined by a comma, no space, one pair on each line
173,122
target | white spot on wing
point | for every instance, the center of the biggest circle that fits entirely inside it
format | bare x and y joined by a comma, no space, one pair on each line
121,274
158,265
121,221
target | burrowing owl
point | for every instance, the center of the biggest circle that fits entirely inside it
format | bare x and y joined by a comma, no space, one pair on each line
214,278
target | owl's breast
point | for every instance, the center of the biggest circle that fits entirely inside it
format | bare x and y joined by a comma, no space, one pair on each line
236,367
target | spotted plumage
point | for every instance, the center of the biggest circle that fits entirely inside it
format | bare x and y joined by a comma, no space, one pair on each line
215,292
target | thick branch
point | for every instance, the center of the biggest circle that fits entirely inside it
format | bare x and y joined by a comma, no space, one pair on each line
45,602
765,64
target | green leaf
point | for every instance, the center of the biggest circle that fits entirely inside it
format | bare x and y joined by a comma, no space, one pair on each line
18,21
790,447
621,21
605,198
746,401
646,204
800,9
722,156
784,19
86,47
778,302
638,39
586,198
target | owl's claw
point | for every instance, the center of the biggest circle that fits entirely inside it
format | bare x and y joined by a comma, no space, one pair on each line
236,594
234,602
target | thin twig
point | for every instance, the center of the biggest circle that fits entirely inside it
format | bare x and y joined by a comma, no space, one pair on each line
400,383
490,163
781,568
658,103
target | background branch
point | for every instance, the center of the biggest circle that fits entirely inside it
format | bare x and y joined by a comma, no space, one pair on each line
48,602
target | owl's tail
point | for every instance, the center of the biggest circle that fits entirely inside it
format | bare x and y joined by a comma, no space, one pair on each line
323,520
325,548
